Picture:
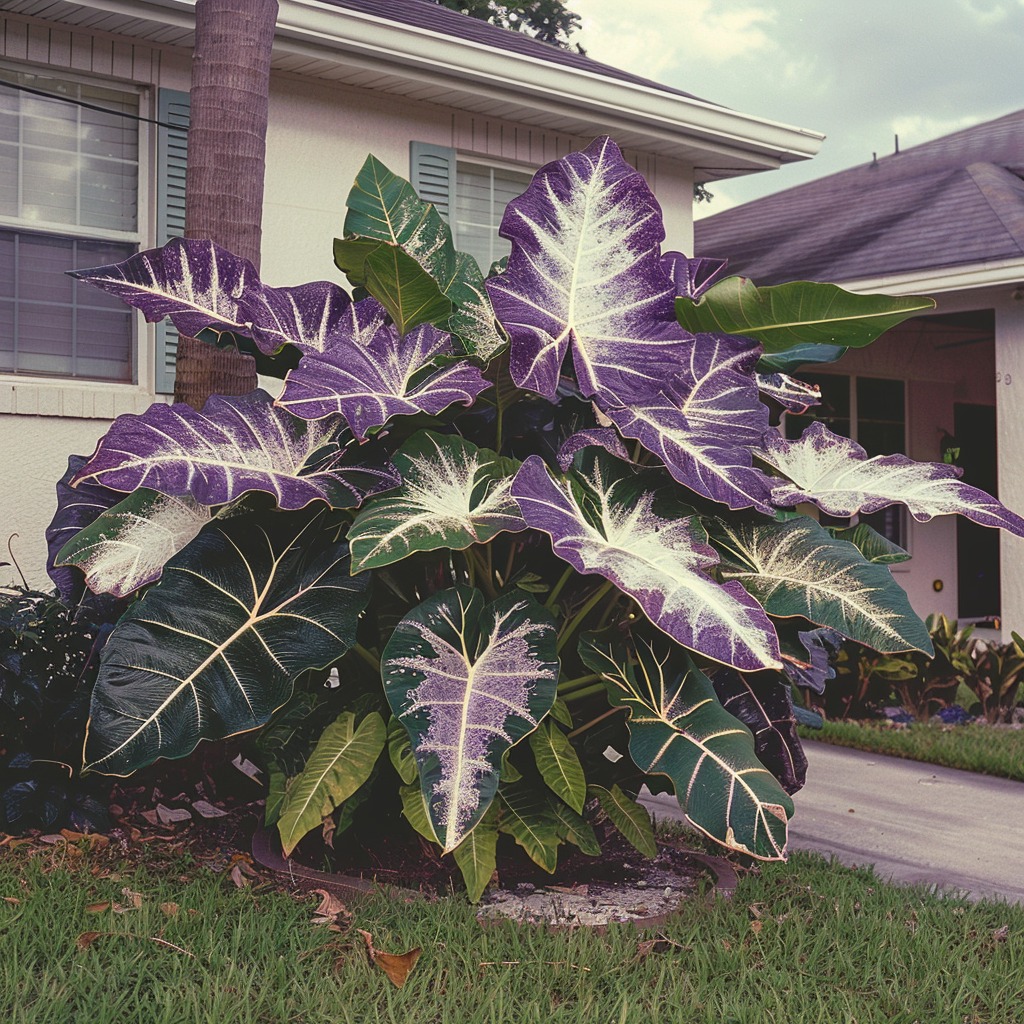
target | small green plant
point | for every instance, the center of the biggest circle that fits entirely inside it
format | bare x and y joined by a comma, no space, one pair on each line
995,678
921,685
539,523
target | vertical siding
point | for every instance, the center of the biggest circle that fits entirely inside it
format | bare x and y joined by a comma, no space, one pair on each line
67,48
503,140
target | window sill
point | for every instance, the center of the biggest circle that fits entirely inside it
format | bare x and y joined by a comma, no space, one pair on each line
72,399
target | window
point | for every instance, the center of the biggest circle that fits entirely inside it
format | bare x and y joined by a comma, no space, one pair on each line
481,195
872,411
68,198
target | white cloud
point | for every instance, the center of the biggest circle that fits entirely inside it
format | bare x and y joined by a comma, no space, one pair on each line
916,128
649,37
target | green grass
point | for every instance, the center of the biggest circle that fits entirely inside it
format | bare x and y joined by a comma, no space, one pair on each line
972,748
799,943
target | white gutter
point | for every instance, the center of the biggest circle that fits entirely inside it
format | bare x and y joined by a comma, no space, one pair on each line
949,279
319,30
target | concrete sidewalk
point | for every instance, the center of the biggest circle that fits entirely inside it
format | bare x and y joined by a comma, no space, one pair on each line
914,822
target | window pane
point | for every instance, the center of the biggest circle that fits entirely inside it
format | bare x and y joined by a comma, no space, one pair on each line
481,195
67,164
880,416
51,325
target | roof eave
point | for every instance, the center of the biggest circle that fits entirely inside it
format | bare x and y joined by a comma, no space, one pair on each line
723,141
929,280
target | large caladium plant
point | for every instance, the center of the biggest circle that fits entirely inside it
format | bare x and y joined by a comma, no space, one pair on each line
527,518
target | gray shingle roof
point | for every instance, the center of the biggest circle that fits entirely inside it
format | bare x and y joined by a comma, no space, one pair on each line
954,201
434,18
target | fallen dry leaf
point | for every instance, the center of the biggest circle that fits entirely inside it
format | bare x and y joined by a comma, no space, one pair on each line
172,815
207,810
13,900
331,912
397,966
1002,933
151,817
135,898
97,908
86,939
756,926
170,909
236,876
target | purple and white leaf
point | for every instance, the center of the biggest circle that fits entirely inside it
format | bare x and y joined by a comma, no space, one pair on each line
663,561
692,276
372,374
77,507
706,423
193,281
309,316
585,273
453,494
839,477
468,682
793,395
602,437
200,285
127,546
233,446
765,707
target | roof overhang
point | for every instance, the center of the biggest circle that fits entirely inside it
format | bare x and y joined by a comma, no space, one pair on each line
942,279
319,40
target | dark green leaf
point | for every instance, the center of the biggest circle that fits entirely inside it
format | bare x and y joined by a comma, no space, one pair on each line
214,649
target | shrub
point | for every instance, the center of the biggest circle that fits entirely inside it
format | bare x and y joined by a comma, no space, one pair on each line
521,566
48,664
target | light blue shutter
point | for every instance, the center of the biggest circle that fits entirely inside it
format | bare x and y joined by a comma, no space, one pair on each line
432,173
172,154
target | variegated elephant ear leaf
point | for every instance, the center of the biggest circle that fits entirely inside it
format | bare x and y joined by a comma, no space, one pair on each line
793,395
837,475
370,373
236,445
77,507
692,277
214,648
797,568
126,546
607,520
468,682
765,706
453,494
202,287
678,728
585,273
706,423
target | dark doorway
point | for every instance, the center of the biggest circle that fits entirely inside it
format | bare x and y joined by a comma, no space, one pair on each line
977,547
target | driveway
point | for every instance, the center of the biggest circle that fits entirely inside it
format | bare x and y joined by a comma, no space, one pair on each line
914,822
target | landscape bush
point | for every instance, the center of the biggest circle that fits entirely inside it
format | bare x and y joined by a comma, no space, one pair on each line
542,582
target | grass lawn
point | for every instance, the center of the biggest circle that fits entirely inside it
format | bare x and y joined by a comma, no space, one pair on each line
973,748
800,942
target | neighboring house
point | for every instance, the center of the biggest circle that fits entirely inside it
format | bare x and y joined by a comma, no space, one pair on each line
945,219
467,110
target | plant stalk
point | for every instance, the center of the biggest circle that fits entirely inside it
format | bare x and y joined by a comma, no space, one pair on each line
577,619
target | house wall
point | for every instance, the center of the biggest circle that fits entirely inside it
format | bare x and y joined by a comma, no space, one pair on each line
936,379
319,134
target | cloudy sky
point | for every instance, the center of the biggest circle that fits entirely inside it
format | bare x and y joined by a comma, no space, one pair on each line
859,71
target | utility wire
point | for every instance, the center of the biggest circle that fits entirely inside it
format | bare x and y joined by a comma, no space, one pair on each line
91,106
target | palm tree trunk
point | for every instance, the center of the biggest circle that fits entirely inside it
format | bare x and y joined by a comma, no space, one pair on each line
226,164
